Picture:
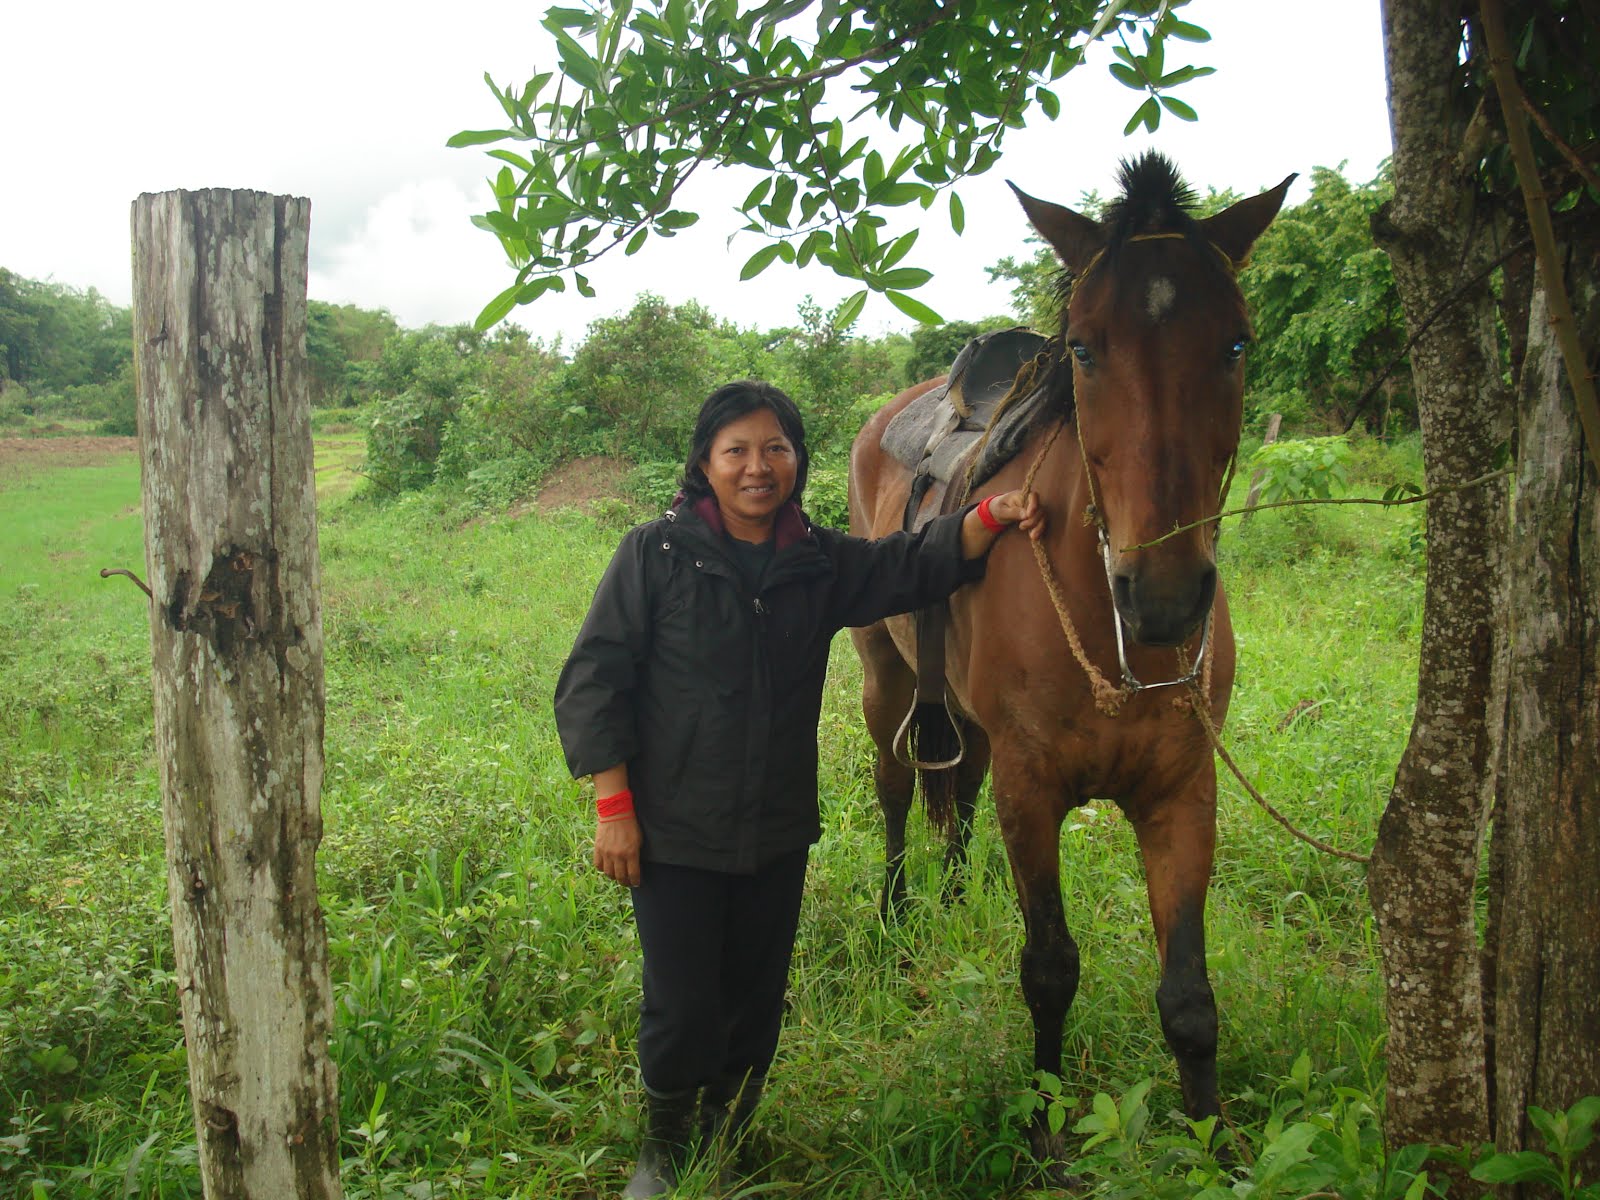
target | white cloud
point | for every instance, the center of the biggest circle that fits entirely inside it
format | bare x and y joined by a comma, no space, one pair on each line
414,252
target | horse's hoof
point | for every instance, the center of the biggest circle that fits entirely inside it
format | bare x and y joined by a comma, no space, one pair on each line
1054,1170
1056,1178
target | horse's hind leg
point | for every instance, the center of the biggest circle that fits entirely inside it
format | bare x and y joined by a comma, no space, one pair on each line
1177,839
886,692
969,780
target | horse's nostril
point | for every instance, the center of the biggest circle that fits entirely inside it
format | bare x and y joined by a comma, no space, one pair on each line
1122,593
1164,611
1208,592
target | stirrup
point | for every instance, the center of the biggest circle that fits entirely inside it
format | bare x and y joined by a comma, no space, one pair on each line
901,746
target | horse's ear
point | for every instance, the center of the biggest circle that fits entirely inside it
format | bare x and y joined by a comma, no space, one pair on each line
1235,229
1075,237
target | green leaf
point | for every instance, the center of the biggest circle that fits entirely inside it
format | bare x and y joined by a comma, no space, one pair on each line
479,137
1155,57
1522,1167
1581,1119
1186,32
850,310
757,195
1056,1115
576,62
904,278
1179,109
759,261
516,160
1127,77
495,311
914,309
1107,17
897,194
1049,102
817,239
872,174
637,240
1148,113
676,219
898,249
958,214
567,18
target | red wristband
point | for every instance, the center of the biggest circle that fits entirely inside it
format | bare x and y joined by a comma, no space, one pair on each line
615,807
990,521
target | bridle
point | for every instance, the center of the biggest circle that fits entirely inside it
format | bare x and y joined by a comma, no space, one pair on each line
1107,697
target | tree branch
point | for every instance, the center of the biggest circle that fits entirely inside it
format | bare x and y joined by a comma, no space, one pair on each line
1562,321
1439,310
1584,170
1374,500
759,85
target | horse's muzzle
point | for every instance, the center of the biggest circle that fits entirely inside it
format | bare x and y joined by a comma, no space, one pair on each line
1163,610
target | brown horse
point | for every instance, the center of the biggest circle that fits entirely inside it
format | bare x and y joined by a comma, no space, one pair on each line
1145,386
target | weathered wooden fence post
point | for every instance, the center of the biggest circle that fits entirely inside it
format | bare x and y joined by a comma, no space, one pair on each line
219,325
1274,423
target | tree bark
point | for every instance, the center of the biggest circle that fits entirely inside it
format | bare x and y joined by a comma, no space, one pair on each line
1547,1050
219,312
1425,861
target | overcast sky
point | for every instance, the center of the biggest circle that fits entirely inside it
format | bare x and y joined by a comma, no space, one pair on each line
349,102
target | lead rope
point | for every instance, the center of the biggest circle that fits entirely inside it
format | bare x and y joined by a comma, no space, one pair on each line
1108,697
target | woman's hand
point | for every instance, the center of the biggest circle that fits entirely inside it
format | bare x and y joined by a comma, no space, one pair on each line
1005,510
616,850
1020,509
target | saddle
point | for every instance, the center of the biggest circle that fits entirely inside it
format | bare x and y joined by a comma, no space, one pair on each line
954,438
968,427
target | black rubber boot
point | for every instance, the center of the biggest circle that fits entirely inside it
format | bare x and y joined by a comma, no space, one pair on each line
725,1112
668,1118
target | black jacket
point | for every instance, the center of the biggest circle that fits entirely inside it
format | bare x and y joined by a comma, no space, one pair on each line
711,694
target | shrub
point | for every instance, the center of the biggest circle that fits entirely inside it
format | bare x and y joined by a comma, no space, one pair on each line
826,501
1306,469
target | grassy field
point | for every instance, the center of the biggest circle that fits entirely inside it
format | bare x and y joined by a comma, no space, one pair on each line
486,982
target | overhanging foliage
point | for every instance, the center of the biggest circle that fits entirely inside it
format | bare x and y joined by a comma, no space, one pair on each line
806,94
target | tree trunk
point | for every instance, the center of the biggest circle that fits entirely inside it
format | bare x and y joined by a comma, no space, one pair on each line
1547,1049
219,313
1425,861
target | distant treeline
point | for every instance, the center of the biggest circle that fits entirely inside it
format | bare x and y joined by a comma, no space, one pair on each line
495,411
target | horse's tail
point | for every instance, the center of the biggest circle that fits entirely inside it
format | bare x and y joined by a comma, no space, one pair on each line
934,737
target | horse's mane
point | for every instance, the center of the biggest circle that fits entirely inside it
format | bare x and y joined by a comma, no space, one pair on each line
1154,199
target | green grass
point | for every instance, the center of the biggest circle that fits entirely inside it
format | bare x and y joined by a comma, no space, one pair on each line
486,981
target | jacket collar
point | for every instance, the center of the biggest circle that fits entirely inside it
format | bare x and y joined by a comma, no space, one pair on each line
790,528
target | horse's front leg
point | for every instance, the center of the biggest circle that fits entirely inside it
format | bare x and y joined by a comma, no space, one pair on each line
1030,813
1177,838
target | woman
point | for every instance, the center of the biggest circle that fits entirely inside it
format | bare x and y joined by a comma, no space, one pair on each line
692,698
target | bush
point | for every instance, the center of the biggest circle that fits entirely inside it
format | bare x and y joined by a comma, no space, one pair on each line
405,438
654,484
826,500
1306,469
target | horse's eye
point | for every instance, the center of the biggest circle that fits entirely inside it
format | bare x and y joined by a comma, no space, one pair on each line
1236,351
1081,353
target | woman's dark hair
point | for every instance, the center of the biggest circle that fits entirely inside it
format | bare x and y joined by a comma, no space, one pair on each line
728,403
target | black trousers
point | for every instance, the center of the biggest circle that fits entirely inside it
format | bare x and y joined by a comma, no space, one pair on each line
716,961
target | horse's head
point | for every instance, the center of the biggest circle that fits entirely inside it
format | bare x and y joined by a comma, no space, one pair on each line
1156,328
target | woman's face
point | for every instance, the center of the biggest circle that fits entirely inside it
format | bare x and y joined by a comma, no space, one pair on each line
751,469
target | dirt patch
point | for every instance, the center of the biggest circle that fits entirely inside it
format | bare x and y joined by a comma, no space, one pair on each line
583,482
22,458
64,451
